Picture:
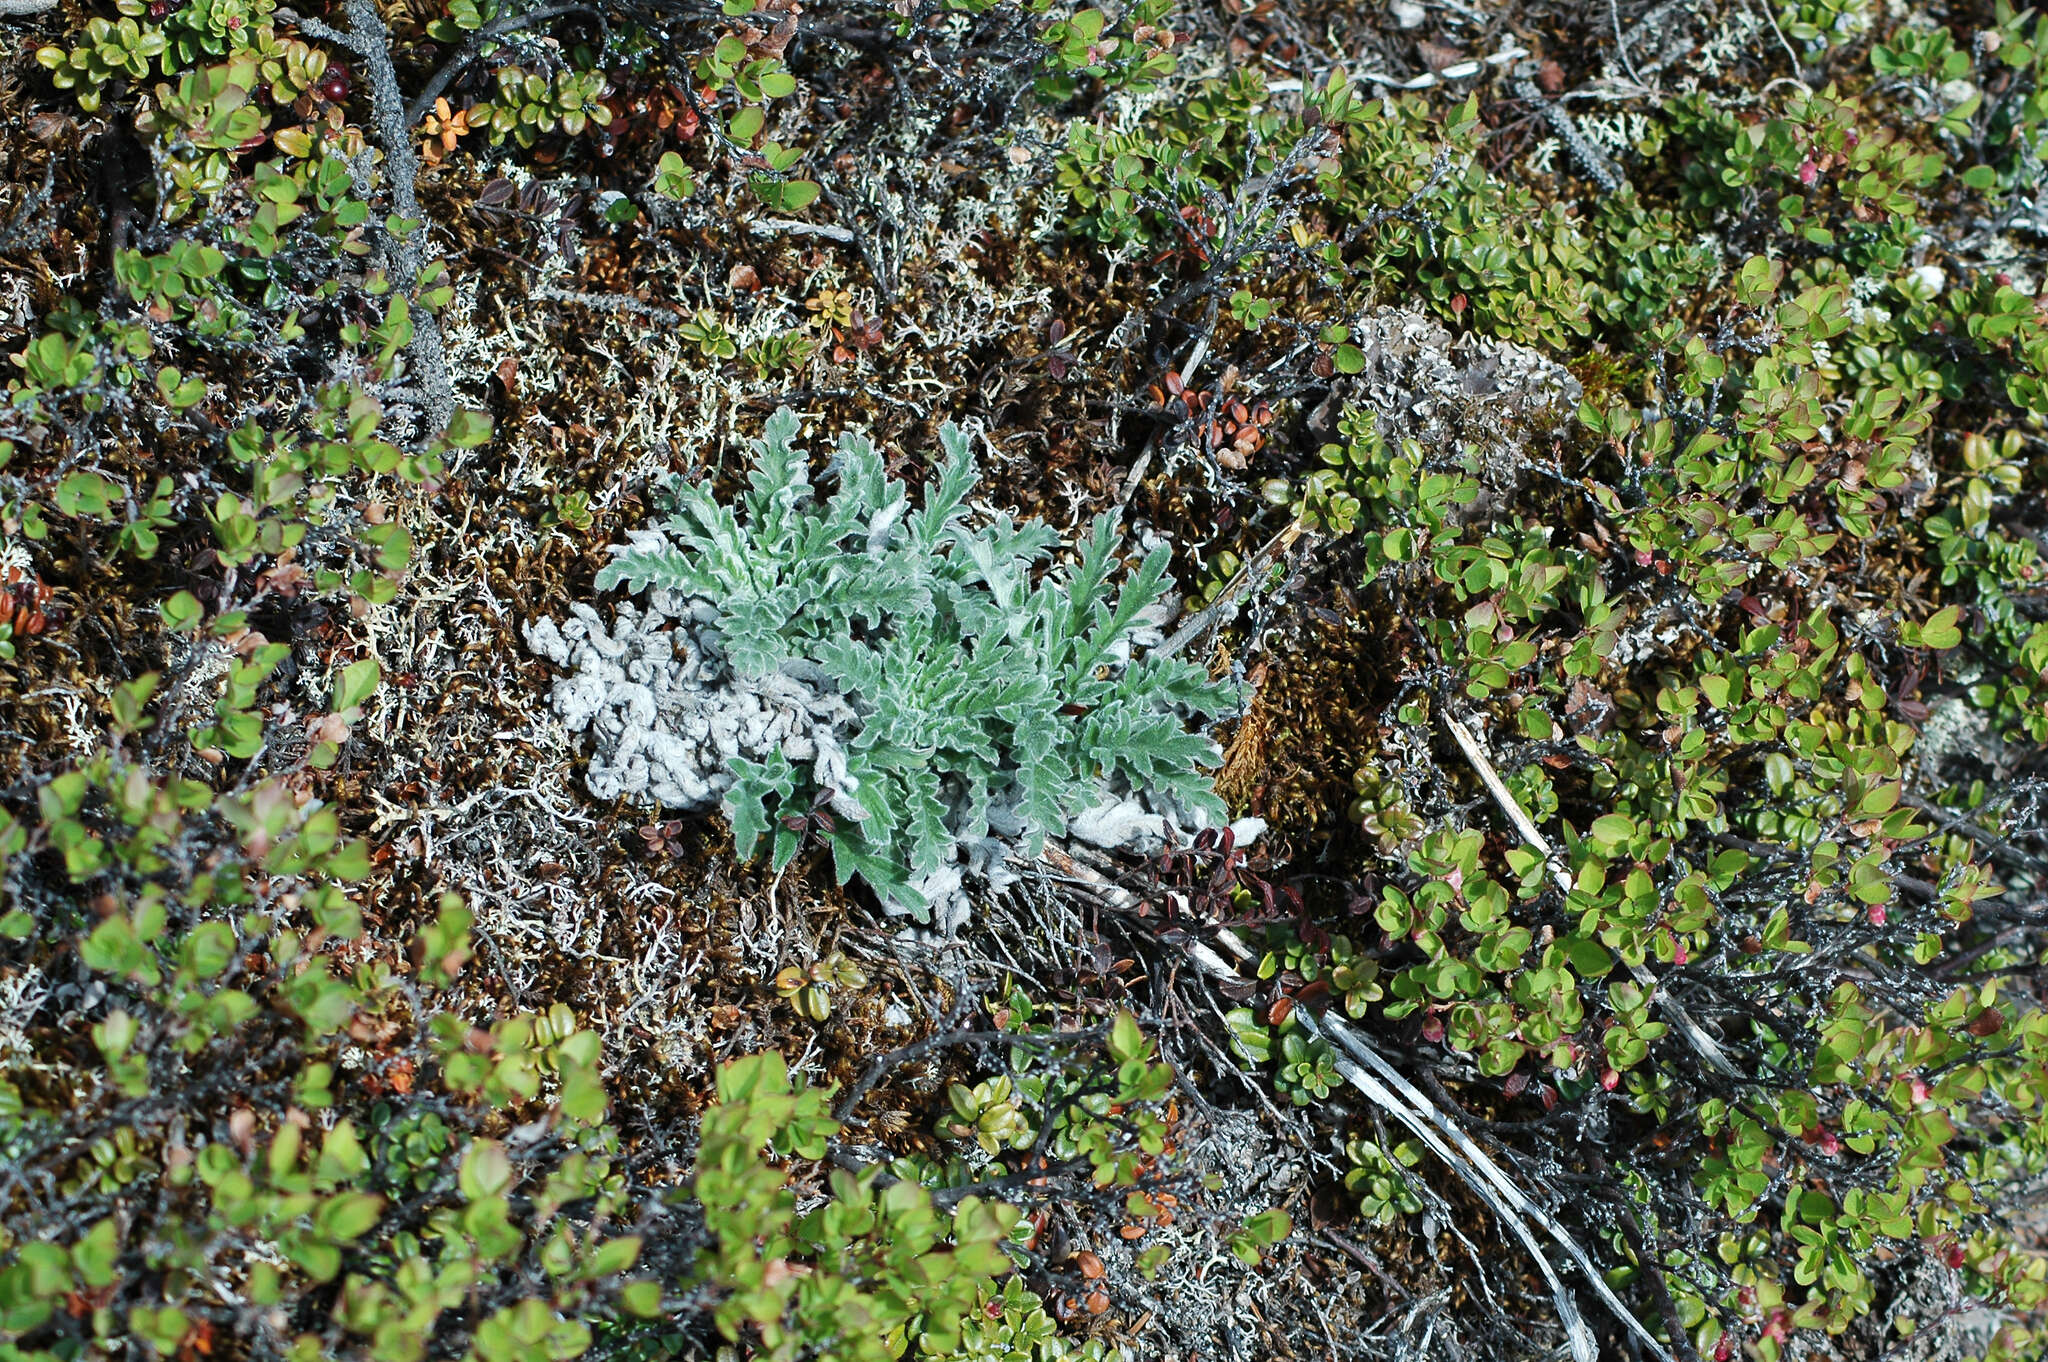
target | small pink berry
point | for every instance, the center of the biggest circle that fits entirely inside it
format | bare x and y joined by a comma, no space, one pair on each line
1877,915
1610,1079
1808,173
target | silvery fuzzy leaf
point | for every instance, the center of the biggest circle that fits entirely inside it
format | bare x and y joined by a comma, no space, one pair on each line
914,672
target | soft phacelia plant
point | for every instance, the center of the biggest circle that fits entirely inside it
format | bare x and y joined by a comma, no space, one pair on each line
989,694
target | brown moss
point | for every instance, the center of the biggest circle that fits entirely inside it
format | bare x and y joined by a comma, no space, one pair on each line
1313,721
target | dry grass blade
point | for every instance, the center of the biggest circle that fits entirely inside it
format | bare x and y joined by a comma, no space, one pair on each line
1385,1088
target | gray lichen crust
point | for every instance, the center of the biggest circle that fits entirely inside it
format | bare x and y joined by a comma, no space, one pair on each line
668,713
1423,382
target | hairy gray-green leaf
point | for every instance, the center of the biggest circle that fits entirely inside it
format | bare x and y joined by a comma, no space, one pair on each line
989,688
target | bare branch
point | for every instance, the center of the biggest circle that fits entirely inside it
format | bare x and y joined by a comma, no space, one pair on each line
369,39
792,227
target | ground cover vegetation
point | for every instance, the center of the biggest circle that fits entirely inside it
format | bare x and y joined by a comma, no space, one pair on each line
1568,477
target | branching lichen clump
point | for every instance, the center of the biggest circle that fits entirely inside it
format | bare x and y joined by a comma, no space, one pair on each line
902,684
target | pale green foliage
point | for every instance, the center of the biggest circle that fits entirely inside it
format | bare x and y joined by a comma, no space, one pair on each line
858,1277
979,681
462,1194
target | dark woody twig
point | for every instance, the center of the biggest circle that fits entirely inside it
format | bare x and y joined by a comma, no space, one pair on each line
369,39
